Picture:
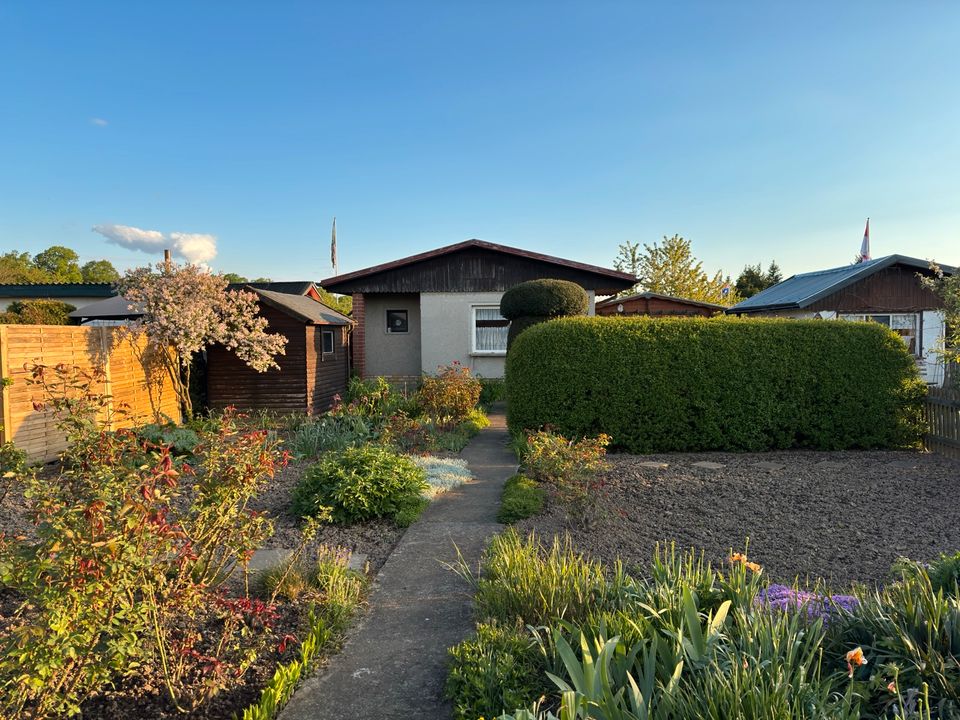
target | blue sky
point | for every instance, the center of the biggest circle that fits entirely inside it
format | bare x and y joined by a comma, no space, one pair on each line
757,130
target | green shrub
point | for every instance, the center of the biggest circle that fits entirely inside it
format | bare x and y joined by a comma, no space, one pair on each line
537,301
521,498
361,483
944,572
37,312
496,670
180,440
492,390
687,384
449,396
329,432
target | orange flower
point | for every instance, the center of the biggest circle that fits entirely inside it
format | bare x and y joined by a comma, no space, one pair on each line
855,659
892,687
742,559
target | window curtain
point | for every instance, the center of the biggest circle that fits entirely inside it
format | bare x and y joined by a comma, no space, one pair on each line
491,330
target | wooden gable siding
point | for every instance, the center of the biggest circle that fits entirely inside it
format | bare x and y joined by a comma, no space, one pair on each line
327,375
894,289
472,270
231,382
655,306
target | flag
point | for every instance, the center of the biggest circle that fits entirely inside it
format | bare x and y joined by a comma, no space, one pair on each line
865,245
333,246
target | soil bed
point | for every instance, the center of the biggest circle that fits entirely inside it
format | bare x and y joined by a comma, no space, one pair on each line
840,516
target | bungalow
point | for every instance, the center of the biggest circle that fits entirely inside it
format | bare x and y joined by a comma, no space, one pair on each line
651,303
426,310
76,294
886,290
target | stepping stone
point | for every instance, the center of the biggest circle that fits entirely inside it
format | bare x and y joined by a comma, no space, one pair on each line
357,562
707,465
771,466
902,464
829,465
268,558
654,465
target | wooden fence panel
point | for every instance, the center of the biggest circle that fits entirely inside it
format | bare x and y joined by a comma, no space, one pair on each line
133,381
942,413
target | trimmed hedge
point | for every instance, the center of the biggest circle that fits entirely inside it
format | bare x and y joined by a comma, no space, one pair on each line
684,384
536,301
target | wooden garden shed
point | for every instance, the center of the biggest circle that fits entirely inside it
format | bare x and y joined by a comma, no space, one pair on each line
314,368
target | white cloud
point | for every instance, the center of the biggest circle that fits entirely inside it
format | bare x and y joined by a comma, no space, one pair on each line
197,248
99,122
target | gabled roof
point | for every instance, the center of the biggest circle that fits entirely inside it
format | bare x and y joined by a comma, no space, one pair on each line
56,290
800,291
303,308
290,287
658,296
620,280
115,308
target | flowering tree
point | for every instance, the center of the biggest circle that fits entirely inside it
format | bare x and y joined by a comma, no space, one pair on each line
187,309
948,288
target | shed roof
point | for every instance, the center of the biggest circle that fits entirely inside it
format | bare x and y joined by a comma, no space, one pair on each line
658,296
290,287
115,308
303,308
616,279
56,290
800,291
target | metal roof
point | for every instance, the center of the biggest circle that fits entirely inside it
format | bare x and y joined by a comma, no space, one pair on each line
658,296
56,290
291,287
303,308
800,291
115,308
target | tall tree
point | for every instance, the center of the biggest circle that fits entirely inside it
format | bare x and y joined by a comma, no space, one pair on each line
188,309
234,278
60,262
628,258
18,267
670,268
948,288
99,271
753,279
774,275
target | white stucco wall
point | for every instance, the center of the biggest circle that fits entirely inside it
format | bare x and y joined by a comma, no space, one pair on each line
392,354
77,302
446,331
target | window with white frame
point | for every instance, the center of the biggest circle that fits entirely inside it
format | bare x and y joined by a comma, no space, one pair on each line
326,340
489,330
906,325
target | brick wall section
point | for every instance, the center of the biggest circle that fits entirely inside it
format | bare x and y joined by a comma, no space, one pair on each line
358,343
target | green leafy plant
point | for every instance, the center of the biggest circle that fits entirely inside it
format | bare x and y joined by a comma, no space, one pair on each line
570,466
498,669
686,384
180,440
329,432
492,390
521,498
361,483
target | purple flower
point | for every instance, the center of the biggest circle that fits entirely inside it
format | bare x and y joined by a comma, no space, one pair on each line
785,598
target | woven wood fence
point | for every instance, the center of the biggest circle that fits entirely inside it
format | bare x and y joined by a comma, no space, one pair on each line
132,381
942,411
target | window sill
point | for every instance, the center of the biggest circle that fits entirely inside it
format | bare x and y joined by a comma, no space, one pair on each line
491,353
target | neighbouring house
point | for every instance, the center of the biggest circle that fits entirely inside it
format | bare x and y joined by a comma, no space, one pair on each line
117,311
314,368
886,290
76,294
417,313
651,303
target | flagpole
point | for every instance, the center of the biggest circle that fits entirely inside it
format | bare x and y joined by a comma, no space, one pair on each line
333,246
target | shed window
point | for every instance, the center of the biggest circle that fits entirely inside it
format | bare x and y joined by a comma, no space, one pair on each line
490,330
397,321
906,325
326,341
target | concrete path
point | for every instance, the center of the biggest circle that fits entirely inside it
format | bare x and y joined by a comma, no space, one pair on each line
394,663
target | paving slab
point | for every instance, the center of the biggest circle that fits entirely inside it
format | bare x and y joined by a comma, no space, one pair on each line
707,465
267,559
830,465
654,465
903,465
771,466
394,663
357,562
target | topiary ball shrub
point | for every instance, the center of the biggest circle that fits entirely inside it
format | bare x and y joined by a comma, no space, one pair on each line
360,483
536,301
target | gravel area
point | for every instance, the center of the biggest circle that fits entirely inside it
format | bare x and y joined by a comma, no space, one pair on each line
840,516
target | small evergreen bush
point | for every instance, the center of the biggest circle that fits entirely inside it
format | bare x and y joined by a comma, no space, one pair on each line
361,483
683,384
